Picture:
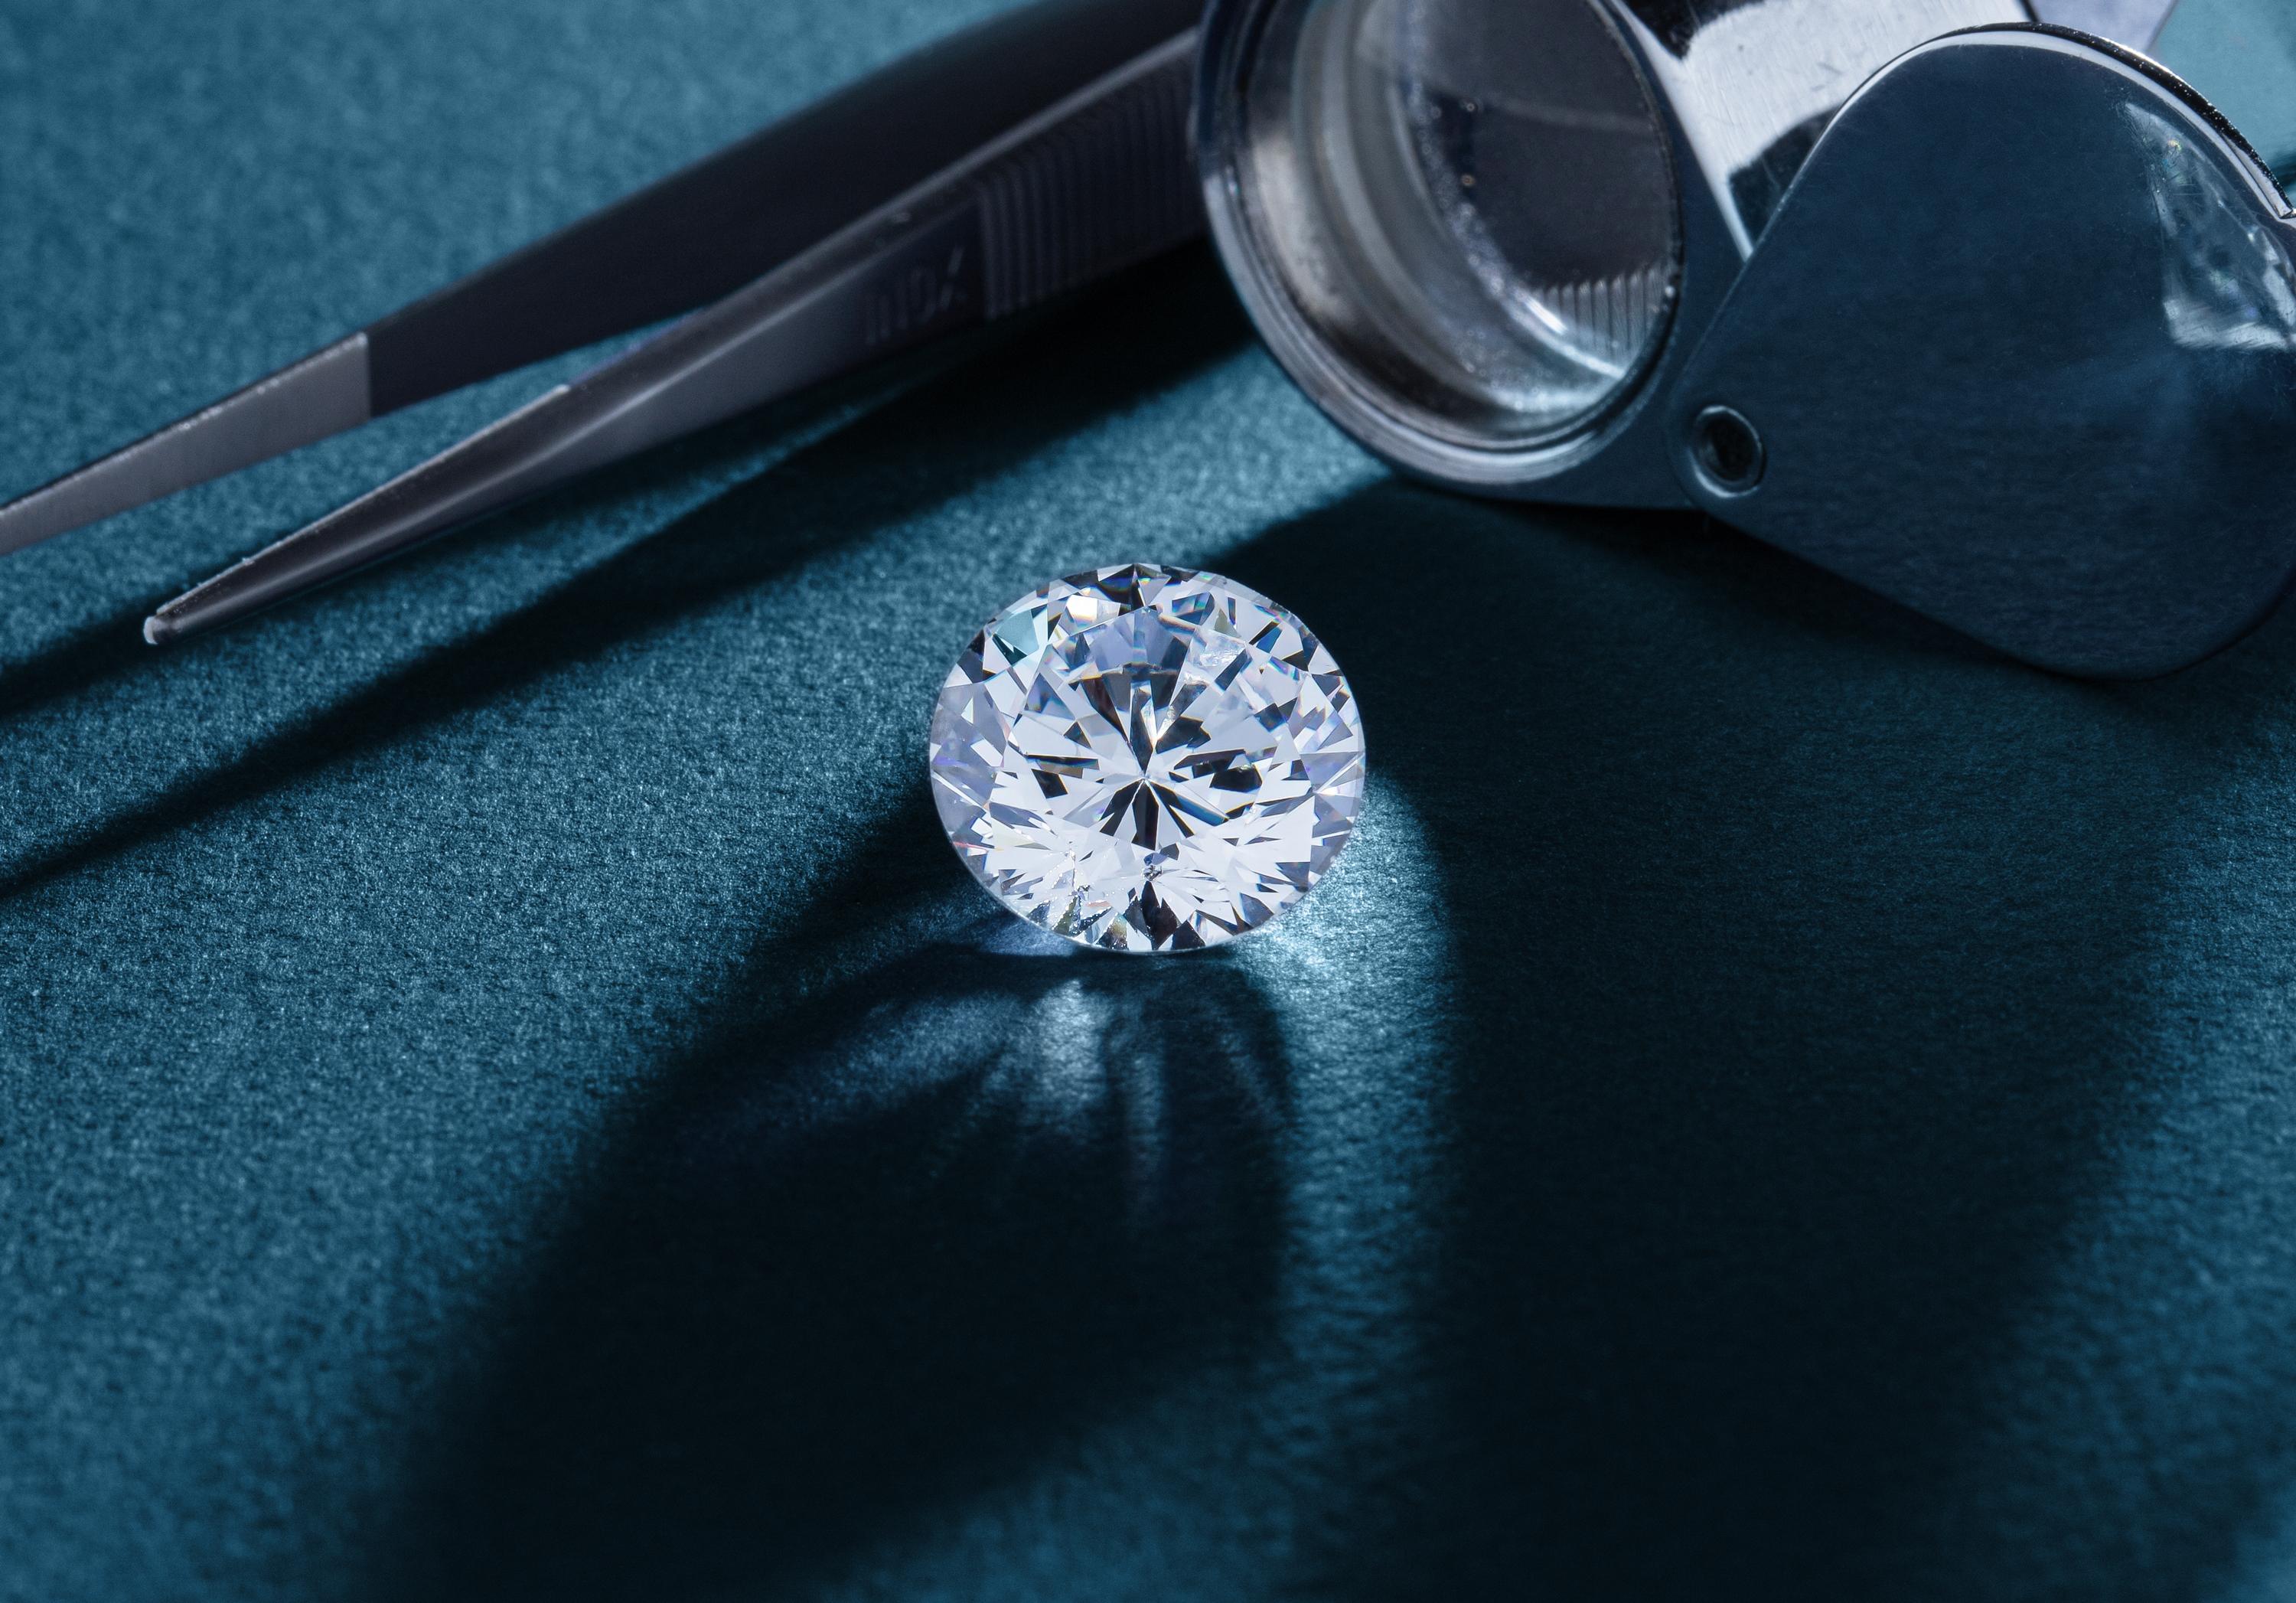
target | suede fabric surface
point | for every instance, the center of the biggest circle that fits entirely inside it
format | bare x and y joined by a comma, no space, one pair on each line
2242,54
505,1092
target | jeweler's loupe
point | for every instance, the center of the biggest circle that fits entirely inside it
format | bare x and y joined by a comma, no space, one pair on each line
1995,318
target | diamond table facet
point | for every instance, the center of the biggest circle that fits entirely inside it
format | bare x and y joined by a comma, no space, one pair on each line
1147,759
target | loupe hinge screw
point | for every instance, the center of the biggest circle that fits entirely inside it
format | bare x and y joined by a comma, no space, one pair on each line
1726,451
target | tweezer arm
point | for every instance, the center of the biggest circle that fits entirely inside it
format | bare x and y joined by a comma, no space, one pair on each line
694,237
1096,183
324,393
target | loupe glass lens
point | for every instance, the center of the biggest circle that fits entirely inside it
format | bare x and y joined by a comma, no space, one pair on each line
1460,215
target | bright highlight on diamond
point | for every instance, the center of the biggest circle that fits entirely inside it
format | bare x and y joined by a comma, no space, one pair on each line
1147,759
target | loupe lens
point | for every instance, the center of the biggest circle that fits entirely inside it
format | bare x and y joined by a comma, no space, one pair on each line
1455,220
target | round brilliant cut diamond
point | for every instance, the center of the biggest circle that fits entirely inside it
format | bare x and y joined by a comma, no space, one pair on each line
1147,759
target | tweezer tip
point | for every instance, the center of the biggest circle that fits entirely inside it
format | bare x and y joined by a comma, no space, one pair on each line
157,629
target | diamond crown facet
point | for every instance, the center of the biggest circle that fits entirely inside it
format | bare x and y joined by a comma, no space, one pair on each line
1147,759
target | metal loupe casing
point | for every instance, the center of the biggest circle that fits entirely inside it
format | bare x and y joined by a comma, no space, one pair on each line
1995,318
1480,236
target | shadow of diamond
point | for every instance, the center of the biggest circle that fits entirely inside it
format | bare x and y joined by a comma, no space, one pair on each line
1017,1039
870,1254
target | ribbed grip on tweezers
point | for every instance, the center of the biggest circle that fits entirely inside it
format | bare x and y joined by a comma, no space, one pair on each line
1105,189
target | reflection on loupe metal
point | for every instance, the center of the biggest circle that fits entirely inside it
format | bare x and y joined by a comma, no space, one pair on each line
1988,317
1462,225
1471,206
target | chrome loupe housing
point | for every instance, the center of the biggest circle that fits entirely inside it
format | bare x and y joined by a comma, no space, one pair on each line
1997,318
1456,224
1473,230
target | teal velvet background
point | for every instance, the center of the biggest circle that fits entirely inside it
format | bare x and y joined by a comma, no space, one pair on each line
504,1091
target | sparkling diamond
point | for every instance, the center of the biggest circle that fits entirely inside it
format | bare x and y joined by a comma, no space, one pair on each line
1147,759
